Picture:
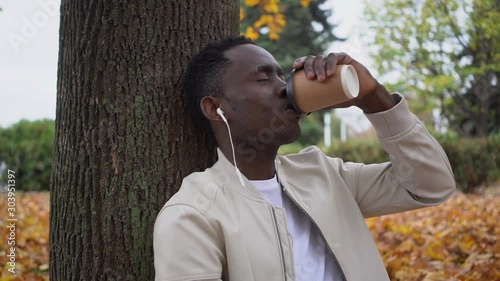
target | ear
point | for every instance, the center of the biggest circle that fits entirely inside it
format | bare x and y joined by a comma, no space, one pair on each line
209,107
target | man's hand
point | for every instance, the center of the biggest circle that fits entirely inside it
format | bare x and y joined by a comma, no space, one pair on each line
373,97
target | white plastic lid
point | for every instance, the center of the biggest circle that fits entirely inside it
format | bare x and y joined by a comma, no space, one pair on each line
350,81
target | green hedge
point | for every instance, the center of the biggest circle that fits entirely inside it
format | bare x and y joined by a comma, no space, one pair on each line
358,151
26,148
475,162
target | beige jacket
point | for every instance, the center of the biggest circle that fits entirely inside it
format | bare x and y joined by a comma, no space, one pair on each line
215,229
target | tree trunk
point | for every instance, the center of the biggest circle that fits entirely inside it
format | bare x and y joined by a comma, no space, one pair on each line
123,138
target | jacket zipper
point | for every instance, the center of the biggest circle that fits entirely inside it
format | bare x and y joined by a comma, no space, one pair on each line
320,232
315,224
279,242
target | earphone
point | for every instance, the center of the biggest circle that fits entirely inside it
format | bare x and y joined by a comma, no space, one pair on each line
221,114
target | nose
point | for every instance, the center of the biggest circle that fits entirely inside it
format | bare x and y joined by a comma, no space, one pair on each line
282,90
282,93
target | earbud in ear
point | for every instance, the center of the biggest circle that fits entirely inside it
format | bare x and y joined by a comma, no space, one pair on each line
221,114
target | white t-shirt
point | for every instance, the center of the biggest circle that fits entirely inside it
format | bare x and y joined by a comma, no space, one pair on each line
313,262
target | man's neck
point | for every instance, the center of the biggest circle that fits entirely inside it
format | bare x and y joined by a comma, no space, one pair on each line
258,165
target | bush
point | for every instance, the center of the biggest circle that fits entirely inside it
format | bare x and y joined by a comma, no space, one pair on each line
475,161
365,151
26,148
291,148
353,150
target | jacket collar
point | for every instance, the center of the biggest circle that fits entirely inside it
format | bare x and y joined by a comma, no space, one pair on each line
225,174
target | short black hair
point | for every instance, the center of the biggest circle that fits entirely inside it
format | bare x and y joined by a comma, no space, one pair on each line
204,76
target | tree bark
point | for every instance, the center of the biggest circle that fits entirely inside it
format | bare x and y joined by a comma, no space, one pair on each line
123,138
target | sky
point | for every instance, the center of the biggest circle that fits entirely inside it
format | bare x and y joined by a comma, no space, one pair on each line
29,31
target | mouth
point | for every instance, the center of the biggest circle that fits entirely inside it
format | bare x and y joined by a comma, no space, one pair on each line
290,109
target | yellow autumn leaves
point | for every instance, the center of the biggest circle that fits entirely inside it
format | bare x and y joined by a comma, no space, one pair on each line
272,18
458,240
31,240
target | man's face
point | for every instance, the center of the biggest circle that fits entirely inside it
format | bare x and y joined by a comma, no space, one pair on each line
254,86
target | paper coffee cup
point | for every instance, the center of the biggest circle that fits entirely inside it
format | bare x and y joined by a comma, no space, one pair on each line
311,95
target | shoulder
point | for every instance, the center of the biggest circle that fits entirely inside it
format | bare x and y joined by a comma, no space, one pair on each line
313,161
198,192
188,208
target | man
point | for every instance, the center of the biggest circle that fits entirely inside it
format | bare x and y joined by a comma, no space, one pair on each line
258,216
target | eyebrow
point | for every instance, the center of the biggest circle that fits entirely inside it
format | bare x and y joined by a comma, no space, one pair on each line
268,68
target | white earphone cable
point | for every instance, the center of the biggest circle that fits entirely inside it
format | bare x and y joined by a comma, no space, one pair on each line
234,155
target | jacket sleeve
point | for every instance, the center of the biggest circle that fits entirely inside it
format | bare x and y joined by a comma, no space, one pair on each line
186,246
418,174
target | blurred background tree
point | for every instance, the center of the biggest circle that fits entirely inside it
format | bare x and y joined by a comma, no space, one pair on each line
444,54
26,148
288,29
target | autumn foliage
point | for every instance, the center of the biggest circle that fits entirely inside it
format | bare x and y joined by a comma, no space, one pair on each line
31,239
458,240
271,17
455,241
